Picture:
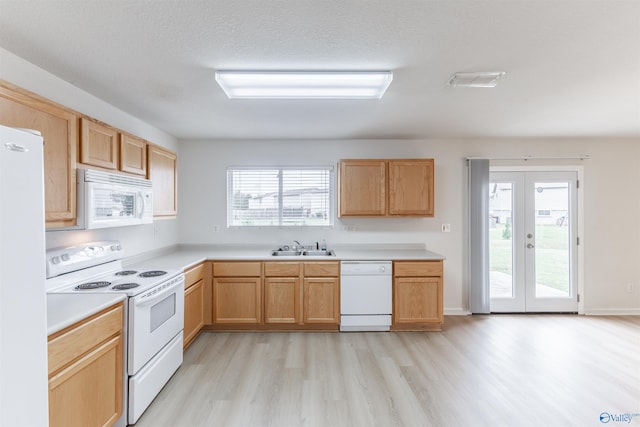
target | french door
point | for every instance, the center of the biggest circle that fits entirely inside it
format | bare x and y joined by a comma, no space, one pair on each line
533,241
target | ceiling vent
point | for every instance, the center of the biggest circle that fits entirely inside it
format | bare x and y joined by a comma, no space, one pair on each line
477,79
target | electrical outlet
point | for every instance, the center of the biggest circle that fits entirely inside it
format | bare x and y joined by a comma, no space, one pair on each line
630,288
446,228
156,231
216,228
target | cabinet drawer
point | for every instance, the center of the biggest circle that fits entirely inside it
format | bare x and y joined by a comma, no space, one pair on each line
417,269
321,269
236,269
282,269
83,336
193,275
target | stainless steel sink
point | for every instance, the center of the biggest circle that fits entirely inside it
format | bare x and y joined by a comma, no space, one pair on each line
285,253
319,253
301,253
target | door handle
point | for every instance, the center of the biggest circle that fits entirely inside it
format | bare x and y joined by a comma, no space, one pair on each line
530,246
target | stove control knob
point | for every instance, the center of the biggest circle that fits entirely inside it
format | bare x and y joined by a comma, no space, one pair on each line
55,260
65,257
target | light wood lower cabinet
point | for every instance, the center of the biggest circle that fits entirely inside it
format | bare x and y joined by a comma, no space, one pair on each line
321,292
282,293
193,304
417,295
282,300
275,295
237,292
86,370
322,300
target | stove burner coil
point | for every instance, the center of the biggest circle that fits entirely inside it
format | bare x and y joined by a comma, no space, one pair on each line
126,273
152,273
125,286
92,285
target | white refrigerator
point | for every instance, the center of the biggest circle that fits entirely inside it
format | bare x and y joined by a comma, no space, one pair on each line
23,308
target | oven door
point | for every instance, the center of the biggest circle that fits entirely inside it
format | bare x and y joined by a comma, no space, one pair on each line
155,318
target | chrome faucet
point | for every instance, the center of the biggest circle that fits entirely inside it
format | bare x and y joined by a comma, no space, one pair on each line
299,246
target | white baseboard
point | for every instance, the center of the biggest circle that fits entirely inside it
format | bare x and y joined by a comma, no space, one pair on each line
612,312
456,312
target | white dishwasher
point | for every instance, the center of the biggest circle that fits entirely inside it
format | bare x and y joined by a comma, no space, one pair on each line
365,295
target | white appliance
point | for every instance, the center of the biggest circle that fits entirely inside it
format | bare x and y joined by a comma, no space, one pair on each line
154,307
23,306
365,295
108,199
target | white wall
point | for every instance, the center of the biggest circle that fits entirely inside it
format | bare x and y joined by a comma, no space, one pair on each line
611,200
135,239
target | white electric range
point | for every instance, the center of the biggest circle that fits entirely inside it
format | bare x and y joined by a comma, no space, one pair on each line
154,313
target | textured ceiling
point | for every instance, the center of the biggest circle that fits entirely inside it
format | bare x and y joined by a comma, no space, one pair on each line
573,66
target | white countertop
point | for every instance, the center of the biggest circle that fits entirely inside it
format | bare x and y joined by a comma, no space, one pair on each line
183,257
66,309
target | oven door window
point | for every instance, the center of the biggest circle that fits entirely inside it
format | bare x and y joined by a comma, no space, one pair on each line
162,311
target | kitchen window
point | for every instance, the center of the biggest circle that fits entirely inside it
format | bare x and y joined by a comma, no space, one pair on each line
280,196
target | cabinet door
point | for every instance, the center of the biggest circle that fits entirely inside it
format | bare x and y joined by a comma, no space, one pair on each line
411,187
321,300
417,300
282,300
162,172
237,300
59,129
362,188
193,311
89,392
98,144
133,154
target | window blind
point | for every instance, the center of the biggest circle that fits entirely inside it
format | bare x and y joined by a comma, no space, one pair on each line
281,197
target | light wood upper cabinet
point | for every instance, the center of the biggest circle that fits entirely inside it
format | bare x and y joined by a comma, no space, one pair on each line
411,187
162,171
98,144
133,154
59,129
386,187
86,371
362,188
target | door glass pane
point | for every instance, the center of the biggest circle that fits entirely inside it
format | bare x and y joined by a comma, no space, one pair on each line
501,240
552,254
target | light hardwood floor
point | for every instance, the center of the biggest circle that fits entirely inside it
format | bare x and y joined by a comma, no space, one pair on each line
498,370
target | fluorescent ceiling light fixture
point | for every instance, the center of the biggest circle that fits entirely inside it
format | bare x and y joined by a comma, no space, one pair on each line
304,84
476,79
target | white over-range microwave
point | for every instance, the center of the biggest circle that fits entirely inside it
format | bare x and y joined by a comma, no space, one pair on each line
107,199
